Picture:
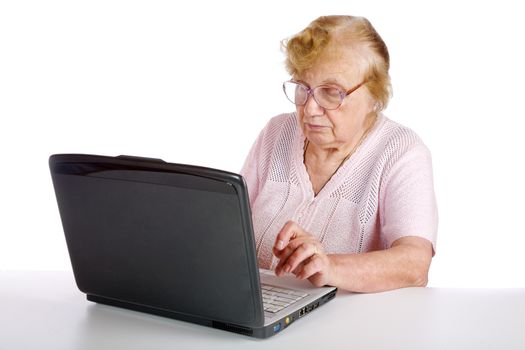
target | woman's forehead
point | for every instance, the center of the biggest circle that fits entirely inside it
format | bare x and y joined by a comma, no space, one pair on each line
340,71
339,63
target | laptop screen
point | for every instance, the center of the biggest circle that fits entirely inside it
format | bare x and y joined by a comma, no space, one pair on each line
170,236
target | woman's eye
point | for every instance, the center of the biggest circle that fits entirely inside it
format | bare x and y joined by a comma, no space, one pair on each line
330,92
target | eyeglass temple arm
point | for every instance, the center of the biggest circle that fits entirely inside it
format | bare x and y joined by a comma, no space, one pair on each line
355,88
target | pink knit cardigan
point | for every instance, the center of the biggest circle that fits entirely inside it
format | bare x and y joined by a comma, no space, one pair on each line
383,192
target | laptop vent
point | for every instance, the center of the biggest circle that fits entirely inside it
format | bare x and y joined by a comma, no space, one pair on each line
232,328
329,296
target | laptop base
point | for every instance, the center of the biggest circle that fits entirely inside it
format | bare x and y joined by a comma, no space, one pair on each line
262,332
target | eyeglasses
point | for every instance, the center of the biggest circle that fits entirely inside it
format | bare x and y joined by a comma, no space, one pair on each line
326,96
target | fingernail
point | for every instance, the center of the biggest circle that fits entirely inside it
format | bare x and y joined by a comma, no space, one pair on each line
280,244
287,268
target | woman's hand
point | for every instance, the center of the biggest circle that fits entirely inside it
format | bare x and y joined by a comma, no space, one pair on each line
302,254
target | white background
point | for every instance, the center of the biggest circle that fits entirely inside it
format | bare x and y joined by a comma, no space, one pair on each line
195,81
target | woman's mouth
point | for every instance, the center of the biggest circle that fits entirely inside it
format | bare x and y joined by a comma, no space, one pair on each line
315,127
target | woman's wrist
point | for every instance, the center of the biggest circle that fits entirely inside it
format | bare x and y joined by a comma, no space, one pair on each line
334,270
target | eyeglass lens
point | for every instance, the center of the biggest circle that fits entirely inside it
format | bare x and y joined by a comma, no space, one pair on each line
326,96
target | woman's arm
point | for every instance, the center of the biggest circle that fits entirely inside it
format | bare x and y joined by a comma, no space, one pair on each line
404,264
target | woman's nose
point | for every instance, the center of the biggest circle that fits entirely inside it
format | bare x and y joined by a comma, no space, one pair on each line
311,106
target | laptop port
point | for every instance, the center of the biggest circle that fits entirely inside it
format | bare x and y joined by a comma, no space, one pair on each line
302,312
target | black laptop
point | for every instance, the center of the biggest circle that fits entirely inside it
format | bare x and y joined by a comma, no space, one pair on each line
173,240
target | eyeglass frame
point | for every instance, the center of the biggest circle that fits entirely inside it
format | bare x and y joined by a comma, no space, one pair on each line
310,92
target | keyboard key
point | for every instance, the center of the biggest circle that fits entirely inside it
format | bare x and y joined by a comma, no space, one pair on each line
276,298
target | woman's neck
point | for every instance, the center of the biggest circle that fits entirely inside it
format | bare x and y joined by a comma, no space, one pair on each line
342,151
322,163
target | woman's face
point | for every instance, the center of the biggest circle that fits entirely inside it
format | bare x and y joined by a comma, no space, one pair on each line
342,126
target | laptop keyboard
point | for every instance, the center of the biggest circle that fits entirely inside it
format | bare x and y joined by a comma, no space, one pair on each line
277,298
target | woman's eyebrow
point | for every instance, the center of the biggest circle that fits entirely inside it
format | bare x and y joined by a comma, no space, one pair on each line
301,81
333,82
330,81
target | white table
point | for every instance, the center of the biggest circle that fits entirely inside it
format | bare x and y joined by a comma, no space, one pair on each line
44,310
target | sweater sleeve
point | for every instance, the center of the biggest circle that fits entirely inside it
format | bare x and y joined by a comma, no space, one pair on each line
408,199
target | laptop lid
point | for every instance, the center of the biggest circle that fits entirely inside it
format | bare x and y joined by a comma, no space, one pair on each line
166,238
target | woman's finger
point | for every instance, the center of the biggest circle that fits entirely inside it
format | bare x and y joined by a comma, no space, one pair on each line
290,248
299,255
289,231
311,267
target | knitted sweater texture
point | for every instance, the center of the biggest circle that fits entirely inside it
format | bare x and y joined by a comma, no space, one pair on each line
383,192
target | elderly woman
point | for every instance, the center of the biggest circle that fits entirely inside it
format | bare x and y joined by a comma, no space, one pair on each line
340,194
